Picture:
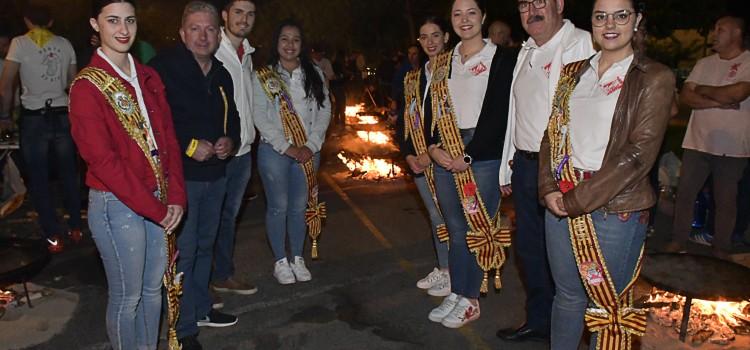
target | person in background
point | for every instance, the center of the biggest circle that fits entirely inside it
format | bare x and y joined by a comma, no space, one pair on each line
717,141
200,93
500,34
46,64
137,189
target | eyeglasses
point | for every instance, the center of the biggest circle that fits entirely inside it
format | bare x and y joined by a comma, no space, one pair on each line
622,17
525,6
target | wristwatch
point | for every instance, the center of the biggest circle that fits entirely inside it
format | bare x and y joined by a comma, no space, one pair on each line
468,159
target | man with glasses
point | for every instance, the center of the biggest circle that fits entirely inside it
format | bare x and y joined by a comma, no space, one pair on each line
553,42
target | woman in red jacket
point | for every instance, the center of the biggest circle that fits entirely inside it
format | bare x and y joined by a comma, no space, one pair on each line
123,128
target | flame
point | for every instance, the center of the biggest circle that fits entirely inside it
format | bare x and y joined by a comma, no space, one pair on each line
371,169
6,297
719,317
367,120
376,137
352,111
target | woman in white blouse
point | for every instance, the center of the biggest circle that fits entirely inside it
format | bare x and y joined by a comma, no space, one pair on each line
608,120
295,86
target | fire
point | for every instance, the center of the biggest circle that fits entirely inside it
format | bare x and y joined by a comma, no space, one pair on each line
367,120
376,137
371,169
352,111
715,321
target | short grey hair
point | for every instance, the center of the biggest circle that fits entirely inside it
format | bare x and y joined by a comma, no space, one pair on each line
199,6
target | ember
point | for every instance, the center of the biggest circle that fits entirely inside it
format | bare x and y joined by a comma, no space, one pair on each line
368,168
717,322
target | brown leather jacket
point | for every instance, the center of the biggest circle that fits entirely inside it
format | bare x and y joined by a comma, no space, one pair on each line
640,120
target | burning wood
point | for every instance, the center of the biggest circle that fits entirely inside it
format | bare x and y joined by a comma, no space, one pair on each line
368,168
715,321
356,115
377,137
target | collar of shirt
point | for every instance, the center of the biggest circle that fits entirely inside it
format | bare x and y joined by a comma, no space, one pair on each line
296,74
227,44
530,44
132,78
617,69
488,51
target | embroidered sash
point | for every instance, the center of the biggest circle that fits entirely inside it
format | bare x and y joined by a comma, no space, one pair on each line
486,237
129,115
613,316
277,91
414,129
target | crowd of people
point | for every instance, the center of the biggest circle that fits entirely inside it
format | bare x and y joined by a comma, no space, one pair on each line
570,132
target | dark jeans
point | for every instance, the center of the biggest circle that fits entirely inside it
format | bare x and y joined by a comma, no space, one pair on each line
238,174
743,205
196,245
529,243
42,138
726,173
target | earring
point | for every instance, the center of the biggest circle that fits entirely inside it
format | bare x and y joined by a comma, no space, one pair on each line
635,29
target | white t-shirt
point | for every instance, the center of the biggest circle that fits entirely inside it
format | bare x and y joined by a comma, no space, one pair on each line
530,92
43,71
468,84
721,132
592,107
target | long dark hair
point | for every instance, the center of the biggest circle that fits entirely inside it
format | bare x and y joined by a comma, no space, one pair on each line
312,81
481,4
438,21
98,5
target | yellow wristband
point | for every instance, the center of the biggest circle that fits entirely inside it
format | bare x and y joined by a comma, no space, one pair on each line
192,147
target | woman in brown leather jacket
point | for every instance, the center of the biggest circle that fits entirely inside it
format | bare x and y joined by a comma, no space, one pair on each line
608,120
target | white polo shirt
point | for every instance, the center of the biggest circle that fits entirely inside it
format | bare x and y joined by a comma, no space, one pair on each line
592,107
531,95
468,84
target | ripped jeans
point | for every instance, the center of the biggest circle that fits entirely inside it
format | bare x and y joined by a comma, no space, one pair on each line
134,256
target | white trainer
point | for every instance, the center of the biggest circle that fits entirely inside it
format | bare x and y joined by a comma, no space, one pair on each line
283,272
430,280
439,313
442,288
463,313
300,270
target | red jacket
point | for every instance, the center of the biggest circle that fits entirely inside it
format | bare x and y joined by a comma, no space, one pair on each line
115,162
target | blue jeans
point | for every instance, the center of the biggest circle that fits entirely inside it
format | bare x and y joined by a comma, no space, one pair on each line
620,241
38,135
286,200
436,219
196,245
238,174
134,256
466,275
529,243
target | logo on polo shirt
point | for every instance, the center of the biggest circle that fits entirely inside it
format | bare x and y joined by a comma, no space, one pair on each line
478,69
734,69
613,86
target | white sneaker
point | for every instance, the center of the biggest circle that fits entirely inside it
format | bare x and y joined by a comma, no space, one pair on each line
442,287
283,272
300,270
463,313
439,313
430,280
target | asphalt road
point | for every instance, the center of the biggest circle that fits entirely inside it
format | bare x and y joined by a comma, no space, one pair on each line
376,244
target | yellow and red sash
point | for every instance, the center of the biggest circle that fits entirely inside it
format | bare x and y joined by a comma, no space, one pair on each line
486,238
129,115
276,90
414,129
613,316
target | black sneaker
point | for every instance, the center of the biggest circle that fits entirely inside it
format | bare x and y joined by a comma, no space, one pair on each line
217,319
190,343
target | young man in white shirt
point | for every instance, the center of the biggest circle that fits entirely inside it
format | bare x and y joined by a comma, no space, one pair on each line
235,53
717,141
46,64
553,42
